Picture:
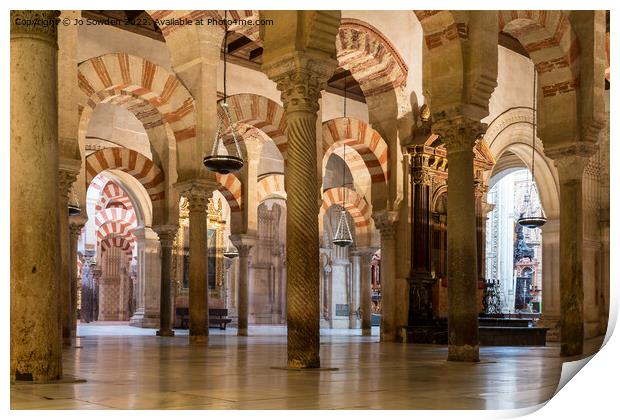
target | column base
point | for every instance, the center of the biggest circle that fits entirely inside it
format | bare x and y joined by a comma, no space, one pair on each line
571,349
242,332
388,337
465,353
165,333
144,321
198,339
366,332
553,323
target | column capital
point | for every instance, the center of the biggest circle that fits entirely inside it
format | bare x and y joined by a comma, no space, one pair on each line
166,234
365,252
300,77
66,178
480,188
197,191
571,160
421,175
35,23
459,133
244,243
386,222
76,224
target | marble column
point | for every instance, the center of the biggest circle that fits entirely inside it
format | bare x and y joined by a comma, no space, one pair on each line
387,223
65,179
356,283
480,190
198,192
550,310
300,79
459,135
148,284
244,244
76,223
365,289
420,306
166,239
35,330
571,163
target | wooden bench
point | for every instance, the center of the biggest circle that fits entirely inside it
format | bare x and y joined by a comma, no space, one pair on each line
218,317
183,315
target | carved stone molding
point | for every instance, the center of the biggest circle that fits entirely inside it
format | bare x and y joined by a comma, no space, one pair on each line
167,234
301,77
387,223
459,133
65,181
197,192
422,175
572,160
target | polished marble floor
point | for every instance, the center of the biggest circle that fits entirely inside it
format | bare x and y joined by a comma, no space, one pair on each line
130,368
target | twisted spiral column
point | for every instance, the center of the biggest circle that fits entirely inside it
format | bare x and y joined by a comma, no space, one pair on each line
166,238
459,135
300,79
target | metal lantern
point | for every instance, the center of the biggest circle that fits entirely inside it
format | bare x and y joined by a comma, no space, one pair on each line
223,162
220,160
532,217
231,253
74,204
343,233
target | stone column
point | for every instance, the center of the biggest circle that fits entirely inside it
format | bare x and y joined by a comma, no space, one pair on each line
65,180
166,239
35,331
459,135
244,244
149,271
365,289
356,280
197,193
76,223
480,190
420,306
571,163
300,78
387,223
550,311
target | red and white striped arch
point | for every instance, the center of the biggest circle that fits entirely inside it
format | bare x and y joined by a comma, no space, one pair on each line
552,45
112,196
361,137
270,186
116,228
370,57
118,242
116,215
131,162
355,204
261,113
230,187
152,93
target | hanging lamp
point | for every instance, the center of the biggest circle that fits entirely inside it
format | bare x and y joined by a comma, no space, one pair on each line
220,160
231,252
74,204
343,233
532,217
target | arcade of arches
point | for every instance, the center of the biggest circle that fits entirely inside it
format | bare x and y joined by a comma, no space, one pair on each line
431,164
